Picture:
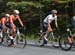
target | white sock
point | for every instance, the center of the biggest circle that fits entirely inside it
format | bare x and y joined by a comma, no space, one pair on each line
11,37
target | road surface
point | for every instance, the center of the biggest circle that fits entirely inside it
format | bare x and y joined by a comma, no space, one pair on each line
32,49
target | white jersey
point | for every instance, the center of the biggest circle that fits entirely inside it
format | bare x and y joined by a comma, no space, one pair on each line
50,17
73,17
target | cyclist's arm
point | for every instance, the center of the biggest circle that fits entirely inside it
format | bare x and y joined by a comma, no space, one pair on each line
11,21
20,21
3,22
56,23
49,26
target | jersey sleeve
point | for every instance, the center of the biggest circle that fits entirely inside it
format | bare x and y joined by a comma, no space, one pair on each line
74,18
49,17
56,18
3,21
11,18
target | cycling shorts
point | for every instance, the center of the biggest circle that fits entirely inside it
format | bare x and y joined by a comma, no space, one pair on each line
8,25
45,26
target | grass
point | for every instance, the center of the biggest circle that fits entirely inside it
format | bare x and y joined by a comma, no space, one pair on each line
31,36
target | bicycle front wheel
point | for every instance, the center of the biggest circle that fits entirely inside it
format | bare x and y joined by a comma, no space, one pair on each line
39,41
55,40
64,44
21,41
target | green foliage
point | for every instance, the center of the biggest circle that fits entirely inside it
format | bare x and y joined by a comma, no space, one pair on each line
24,4
36,10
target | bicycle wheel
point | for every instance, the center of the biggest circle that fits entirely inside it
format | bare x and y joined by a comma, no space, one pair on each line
39,40
6,40
55,40
21,41
64,44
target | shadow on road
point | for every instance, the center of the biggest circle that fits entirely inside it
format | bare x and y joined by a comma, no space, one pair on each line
49,47
46,46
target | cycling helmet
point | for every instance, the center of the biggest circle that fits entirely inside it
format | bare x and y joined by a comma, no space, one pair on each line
7,15
16,11
54,11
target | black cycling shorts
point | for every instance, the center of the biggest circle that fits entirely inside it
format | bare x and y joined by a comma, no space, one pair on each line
45,26
8,25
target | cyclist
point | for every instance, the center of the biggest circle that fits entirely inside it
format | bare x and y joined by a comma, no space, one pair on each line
47,24
73,23
5,21
13,18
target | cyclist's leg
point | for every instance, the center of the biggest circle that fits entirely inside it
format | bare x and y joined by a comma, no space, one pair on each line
12,35
45,30
45,40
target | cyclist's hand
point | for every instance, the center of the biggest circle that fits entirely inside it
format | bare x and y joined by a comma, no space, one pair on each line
58,28
24,27
49,29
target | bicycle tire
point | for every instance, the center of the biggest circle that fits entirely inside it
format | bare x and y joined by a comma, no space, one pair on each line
21,42
56,40
6,40
65,43
39,40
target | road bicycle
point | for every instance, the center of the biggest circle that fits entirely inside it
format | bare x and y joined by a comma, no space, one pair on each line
53,39
67,41
19,41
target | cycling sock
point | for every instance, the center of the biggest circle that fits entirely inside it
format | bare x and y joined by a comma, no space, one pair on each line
45,37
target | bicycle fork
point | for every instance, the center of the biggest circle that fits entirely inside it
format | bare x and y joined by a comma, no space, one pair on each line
51,37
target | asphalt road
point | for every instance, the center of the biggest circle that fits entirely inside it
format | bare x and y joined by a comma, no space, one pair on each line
32,49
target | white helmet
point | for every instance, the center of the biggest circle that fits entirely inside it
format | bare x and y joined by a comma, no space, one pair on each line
54,11
7,15
16,11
